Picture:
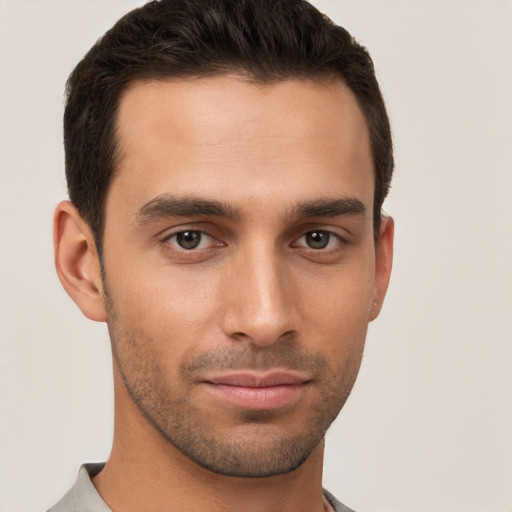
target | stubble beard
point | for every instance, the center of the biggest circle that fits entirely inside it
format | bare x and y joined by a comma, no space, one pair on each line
258,448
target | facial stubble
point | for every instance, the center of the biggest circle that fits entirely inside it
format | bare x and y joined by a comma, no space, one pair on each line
259,445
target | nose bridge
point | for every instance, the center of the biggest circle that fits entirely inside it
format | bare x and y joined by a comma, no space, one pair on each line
260,306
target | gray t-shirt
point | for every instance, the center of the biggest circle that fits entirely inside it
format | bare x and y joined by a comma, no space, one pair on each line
83,497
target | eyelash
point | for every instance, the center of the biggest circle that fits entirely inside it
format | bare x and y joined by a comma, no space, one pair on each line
331,237
201,232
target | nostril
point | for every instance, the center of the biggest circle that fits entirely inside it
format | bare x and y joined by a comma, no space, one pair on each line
263,338
240,336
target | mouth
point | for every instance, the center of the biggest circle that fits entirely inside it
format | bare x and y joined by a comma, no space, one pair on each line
258,391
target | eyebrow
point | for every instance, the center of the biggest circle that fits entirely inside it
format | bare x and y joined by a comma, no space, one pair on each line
327,207
167,205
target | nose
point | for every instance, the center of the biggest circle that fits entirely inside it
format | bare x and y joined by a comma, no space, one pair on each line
260,304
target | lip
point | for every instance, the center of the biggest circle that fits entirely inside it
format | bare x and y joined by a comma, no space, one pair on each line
258,391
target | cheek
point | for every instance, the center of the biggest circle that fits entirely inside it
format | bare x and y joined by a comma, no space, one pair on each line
335,312
177,308
339,335
341,295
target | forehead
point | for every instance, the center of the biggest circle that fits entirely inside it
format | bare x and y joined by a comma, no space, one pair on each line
221,135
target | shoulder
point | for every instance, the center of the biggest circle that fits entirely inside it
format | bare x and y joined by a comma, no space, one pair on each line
336,504
82,497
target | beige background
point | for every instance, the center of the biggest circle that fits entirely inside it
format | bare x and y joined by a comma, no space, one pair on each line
429,423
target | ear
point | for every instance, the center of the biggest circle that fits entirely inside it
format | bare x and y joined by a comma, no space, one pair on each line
383,264
77,261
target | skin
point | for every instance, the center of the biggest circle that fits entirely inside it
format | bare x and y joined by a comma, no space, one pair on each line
289,165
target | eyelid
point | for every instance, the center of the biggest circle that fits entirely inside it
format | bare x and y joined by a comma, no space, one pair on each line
170,231
338,240
167,239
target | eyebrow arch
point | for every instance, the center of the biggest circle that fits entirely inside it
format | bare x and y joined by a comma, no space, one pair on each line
330,208
167,205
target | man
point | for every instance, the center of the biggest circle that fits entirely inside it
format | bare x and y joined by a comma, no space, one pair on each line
227,161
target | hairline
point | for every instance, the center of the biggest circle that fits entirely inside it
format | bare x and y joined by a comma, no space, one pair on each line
244,75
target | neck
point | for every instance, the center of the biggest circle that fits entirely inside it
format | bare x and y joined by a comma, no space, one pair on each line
146,472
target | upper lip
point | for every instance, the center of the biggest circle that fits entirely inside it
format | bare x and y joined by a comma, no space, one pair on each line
249,379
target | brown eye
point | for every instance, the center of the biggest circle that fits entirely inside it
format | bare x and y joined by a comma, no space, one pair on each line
317,239
189,239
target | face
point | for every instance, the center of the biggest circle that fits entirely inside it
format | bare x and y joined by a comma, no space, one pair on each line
240,265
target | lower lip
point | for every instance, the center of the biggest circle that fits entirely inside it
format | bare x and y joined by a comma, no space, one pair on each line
271,397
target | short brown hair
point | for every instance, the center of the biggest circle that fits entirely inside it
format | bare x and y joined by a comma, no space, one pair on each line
265,40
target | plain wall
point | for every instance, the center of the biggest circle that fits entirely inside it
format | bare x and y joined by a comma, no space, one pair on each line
429,422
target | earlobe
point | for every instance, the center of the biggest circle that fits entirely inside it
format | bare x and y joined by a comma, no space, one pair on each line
77,262
383,264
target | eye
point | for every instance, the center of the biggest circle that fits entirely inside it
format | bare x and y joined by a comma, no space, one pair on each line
318,240
191,239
